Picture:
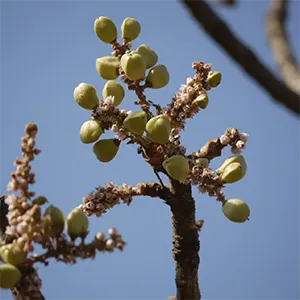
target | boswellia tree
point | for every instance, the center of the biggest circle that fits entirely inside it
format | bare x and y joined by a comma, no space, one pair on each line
156,132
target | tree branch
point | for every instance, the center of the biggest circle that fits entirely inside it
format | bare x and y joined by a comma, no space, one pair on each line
279,43
241,54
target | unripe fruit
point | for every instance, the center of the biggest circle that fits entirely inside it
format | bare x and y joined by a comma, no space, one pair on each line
77,223
237,158
108,67
232,173
131,29
106,30
214,78
177,167
90,131
236,210
202,100
9,276
86,96
133,65
106,150
41,200
136,122
158,76
202,162
149,56
54,220
115,89
158,129
12,254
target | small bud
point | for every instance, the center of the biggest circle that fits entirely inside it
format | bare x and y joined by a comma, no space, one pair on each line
202,162
236,210
158,129
131,29
214,78
31,128
100,236
110,244
177,167
224,140
106,30
90,131
54,220
202,100
86,96
136,122
112,232
114,89
158,76
105,150
149,56
133,65
108,67
9,276
41,200
233,173
77,223
12,254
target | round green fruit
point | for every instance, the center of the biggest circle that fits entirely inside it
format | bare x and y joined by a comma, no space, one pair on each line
77,223
115,89
108,67
177,167
233,159
12,254
131,29
214,78
90,131
9,276
106,30
133,65
86,96
149,56
105,150
54,220
202,100
204,162
158,76
158,129
236,210
136,122
233,173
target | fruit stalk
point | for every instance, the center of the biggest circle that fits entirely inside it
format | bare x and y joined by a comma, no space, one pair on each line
186,244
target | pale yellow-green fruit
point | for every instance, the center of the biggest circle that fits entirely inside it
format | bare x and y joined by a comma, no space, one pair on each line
86,96
177,167
41,200
90,131
149,56
158,129
214,78
133,65
12,254
204,162
236,158
202,100
115,89
106,30
131,29
77,223
108,67
136,122
105,150
9,276
54,220
236,210
233,173
158,76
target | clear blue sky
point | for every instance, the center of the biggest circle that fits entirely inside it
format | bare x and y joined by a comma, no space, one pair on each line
49,47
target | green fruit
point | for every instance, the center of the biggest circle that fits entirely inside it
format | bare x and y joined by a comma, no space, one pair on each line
12,254
236,210
232,173
106,150
204,162
214,78
133,65
77,223
136,122
177,167
86,96
237,158
158,129
149,56
108,67
158,76
54,220
90,131
41,200
106,30
131,29
9,276
202,100
115,89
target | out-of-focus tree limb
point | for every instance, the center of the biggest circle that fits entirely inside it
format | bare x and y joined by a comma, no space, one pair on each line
279,42
241,54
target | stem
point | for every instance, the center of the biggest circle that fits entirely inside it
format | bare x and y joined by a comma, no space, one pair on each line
186,243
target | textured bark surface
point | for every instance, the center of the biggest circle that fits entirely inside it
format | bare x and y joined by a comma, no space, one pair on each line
186,243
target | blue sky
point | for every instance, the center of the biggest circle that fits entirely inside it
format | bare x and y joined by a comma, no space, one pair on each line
49,47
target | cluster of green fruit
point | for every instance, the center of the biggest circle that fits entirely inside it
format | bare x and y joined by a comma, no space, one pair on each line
13,254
